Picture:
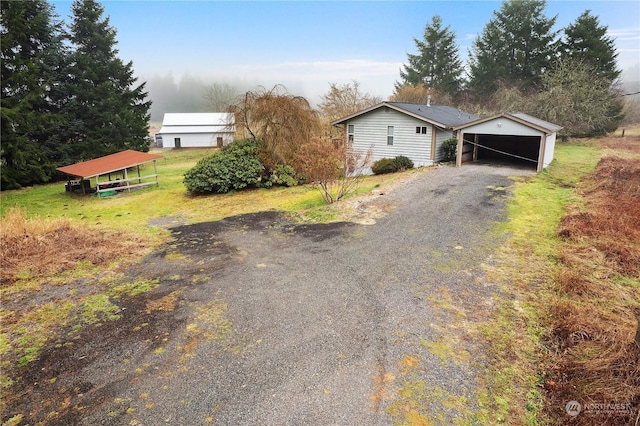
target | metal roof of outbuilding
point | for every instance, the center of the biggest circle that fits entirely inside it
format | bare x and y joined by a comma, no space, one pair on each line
198,119
109,163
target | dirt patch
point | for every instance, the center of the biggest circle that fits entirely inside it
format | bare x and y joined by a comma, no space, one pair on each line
55,389
168,221
61,386
627,143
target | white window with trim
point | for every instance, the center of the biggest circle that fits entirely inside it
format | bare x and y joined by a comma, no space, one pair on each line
350,132
389,135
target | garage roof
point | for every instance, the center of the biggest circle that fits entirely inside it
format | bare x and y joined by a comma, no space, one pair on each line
198,122
522,118
442,116
109,163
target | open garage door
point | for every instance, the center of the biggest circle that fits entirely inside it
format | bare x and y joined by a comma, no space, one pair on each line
509,139
522,151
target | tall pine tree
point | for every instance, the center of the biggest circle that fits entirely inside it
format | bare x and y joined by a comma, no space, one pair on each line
107,112
31,58
437,64
516,47
586,41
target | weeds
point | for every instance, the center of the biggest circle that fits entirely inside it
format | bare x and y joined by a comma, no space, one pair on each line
595,309
516,329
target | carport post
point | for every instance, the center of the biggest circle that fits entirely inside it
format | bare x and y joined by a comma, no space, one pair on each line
543,142
476,139
459,148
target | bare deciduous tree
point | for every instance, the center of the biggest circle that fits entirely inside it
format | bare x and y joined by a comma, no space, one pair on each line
578,99
335,167
419,94
219,97
345,99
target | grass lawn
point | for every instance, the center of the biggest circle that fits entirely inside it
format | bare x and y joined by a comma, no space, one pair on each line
133,211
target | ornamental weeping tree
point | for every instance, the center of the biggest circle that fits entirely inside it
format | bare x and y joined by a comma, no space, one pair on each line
280,122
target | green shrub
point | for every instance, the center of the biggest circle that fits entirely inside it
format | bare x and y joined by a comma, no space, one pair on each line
237,166
449,148
384,165
391,165
402,162
281,176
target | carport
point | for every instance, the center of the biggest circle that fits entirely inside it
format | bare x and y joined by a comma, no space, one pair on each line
111,173
512,138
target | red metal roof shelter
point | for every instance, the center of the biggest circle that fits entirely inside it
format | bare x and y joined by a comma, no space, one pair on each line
117,163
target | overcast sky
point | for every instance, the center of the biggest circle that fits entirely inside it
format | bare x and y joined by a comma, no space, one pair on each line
305,45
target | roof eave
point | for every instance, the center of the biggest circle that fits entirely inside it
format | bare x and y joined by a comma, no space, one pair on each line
510,117
395,108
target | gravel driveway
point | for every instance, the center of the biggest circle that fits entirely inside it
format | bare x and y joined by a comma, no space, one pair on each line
262,321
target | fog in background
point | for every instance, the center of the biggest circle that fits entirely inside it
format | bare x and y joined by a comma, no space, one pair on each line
170,94
191,93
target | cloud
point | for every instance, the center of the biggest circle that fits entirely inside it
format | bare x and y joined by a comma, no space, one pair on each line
624,34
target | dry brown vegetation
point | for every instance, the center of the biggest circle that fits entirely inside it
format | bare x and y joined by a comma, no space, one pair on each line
595,314
40,248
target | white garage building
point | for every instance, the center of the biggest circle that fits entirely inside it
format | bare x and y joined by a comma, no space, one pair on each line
196,130
507,137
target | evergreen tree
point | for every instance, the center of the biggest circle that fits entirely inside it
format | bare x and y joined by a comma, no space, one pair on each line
587,41
516,47
31,53
106,113
437,64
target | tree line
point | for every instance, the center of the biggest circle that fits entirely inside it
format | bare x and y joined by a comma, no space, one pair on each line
519,62
66,96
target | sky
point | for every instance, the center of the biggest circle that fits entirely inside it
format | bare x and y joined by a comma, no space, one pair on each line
305,45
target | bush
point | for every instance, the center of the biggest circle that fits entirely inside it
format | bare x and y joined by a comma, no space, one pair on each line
281,176
403,163
384,165
391,165
237,166
449,148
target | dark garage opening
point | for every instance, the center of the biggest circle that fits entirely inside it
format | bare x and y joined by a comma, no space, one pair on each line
504,149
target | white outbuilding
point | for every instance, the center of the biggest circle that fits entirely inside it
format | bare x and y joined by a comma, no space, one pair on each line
196,130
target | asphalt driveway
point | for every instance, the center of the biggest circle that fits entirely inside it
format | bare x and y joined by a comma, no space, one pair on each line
259,320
